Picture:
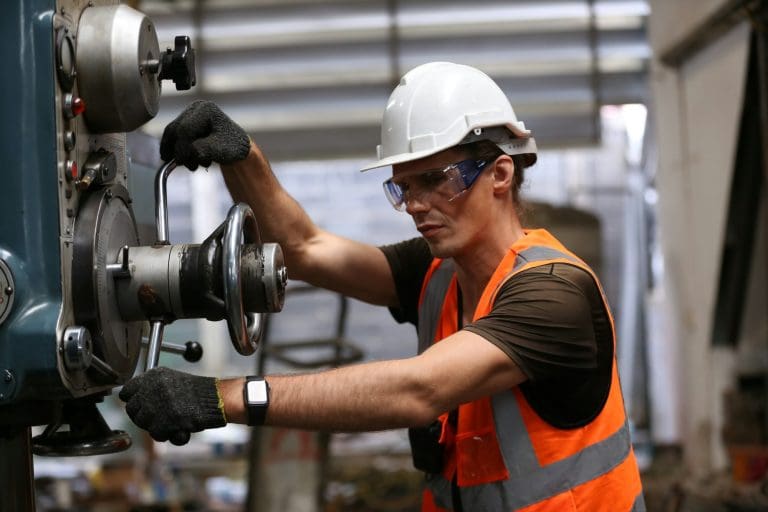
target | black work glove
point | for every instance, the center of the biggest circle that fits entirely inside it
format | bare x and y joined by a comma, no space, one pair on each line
202,134
170,404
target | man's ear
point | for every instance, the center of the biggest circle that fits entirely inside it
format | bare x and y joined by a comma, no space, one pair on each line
503,174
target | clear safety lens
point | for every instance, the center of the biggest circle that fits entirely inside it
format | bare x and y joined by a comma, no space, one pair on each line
449,183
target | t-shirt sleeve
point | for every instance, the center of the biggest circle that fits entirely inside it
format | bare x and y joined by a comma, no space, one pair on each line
409,261
542,319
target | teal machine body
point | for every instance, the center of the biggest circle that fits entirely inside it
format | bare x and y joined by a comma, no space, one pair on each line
79,75
80,292
30,258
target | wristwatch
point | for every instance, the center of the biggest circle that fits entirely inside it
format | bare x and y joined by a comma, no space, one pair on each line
256,399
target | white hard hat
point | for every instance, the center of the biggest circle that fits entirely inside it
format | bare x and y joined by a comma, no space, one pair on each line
440,105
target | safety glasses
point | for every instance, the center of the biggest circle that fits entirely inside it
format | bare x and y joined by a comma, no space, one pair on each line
449,182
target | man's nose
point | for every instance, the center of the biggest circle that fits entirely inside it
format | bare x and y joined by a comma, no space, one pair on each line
416,202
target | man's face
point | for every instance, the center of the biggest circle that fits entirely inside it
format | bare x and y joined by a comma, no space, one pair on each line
449,222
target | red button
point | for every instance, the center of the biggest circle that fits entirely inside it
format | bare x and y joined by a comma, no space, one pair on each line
78,106
73,105
70,170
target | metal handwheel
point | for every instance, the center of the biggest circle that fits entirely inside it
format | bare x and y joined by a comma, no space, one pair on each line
237,279
245,329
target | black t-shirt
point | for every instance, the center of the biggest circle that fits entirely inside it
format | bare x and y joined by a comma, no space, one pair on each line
549,319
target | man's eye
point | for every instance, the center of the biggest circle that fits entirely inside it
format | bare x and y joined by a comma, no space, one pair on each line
432,178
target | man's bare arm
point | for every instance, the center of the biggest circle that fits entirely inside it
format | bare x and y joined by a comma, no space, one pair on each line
387,394
312,255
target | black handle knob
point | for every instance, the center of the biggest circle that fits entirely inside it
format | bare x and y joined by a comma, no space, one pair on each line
179,64
194,351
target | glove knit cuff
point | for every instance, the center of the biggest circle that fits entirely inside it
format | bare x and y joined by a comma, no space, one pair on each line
221,402
211,405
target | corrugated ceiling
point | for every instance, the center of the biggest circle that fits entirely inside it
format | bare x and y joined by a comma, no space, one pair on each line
309,79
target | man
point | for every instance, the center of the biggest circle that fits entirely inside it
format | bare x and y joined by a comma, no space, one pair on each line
514,401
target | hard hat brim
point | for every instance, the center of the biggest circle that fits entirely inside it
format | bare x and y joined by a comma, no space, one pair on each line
519,143
401,158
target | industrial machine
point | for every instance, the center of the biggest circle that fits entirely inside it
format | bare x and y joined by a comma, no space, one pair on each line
80,292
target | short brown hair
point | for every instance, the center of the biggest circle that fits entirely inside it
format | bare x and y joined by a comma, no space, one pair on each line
488,151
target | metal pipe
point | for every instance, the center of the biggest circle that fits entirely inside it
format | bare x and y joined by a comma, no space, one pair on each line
761,33
594,72
393,42
761,47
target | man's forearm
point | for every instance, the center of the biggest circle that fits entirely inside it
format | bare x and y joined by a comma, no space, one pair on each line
366,397
280,218
313,255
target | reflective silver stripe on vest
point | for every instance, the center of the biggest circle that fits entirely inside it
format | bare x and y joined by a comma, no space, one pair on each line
528,481
539,253
434,296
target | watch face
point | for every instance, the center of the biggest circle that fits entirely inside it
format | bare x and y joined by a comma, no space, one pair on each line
256,391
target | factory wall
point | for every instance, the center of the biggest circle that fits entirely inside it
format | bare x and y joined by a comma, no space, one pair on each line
697,108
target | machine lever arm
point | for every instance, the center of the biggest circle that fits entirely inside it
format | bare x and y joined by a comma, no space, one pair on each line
154,344
161,201
104,368
161,221
192,351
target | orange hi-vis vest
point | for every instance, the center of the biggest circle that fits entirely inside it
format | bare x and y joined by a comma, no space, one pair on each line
501,453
